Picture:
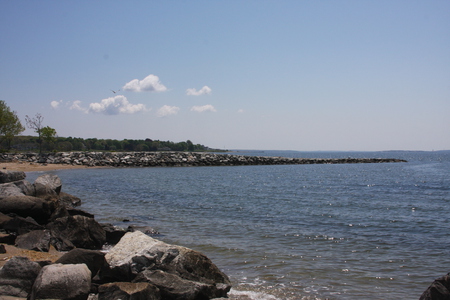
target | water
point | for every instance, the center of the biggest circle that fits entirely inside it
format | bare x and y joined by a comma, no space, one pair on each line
356,231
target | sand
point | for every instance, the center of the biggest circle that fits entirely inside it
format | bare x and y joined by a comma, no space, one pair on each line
36,167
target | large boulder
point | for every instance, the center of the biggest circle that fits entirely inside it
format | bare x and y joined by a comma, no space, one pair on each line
53,182
27,206
81,231
58,281
10,189
128,291
93,259
17,276
10,176
136,252
26,187
68,200
37,240
173,287
19,225
438,290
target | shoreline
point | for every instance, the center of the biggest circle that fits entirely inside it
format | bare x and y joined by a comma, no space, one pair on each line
39,167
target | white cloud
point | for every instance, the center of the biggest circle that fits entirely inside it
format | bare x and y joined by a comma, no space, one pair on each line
110,106
76,106
204,90
240,111
150,83
55,104
116,105
167,110
204,108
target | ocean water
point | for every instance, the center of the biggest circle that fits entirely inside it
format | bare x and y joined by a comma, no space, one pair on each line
350,231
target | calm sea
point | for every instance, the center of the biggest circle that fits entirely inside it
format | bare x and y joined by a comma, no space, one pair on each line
356,231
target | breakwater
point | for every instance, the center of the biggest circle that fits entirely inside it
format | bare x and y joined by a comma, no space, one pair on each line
175,159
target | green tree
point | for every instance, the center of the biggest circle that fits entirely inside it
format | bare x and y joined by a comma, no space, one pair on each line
36,124
10,125
49,135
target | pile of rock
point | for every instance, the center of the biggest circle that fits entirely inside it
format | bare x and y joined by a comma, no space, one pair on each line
39,216
177,159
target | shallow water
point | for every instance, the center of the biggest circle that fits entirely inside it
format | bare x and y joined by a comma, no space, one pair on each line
354,231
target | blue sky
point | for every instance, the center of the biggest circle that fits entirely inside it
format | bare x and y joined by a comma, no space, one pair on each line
281,75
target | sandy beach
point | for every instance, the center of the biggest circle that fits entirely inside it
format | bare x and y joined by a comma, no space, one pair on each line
36,167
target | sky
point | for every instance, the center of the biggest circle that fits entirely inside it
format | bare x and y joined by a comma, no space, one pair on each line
268,75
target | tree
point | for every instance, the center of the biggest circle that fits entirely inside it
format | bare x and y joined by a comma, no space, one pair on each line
10,125
36,124
48,134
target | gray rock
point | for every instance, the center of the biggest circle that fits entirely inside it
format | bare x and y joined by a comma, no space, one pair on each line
51,181
26,187
128,291
81,231
10,176
17,276
172,287
19,225
58,281
137,251
438,290
68,200
25,206
10,189
93,259
37,240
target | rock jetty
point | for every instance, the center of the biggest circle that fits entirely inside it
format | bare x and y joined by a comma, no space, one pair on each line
175,159
39,216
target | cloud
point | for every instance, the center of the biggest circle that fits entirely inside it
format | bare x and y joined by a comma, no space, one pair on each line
55,104
204,90
204,108
76,106
240,111
116,105
150,83
111,106
167,110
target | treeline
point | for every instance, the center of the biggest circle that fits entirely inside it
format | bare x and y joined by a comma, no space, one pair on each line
32,143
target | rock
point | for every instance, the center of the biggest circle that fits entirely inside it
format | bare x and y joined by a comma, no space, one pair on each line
438,290
19,225
137,251
9,239
68,200
10,189
128,291
37,240
172,287
79,212
82,232
10,176
51,181
2,249
113,235
26,187
144,229
25,206
17,276
3,219
94,260
58,281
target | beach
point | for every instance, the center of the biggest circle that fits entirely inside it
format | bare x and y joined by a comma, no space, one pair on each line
37,167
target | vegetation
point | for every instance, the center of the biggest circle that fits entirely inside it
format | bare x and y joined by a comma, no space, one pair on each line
10,125
31,143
